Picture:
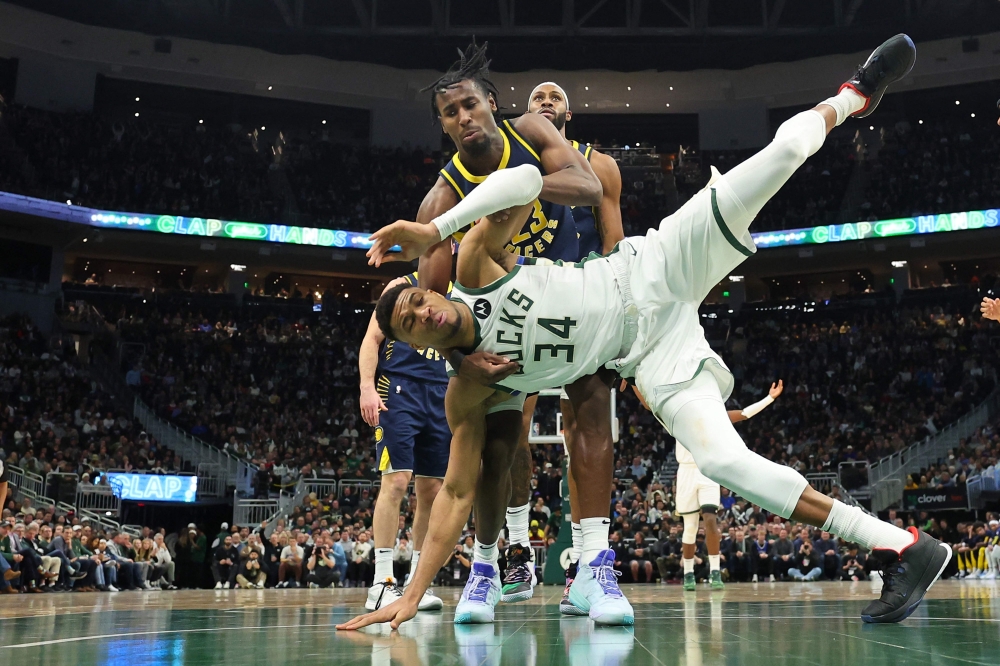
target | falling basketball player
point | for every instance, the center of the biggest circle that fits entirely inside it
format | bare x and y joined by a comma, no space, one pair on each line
636,311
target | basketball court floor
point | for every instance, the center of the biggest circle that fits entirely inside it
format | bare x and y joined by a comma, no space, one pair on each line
762,624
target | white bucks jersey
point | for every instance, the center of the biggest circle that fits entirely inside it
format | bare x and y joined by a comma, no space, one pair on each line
559,321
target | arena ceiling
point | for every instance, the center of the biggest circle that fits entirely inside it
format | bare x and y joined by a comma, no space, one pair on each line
623,35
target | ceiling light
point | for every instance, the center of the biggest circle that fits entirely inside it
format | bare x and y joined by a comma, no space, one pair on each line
671,87
957,102
630,87
514,105
626,104
512,87
324,122
201,122
136,114
586,105
262,128
137,99
668,104
270,87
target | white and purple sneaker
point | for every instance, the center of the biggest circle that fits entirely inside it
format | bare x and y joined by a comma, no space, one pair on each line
595,590
480,596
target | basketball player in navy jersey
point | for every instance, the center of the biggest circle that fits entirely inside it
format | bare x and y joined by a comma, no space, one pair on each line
411,442
598,230
464,101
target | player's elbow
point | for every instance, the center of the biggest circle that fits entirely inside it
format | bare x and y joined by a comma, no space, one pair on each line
592,191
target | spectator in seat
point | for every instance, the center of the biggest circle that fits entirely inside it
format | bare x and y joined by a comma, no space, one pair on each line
50,565
740,560
163,559
10,563
272,557
807,564
225,563
251,573
761,562
339,556
668,555
783,554
199,551
80,552
640,554
402,553
827,548
290,567
321,566
852,565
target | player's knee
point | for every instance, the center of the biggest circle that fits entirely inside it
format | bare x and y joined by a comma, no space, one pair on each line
394,487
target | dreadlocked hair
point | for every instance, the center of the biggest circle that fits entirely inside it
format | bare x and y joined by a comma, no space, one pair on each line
471,65
383,309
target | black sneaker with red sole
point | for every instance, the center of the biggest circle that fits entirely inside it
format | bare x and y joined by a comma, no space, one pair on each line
886,65
906,577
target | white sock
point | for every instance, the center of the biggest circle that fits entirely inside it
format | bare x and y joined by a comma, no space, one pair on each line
413,562
486,553
383,564
688,565
845,103
517,525
852,524
713,562
594,534
577,543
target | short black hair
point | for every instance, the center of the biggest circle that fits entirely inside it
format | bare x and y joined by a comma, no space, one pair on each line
386,304
471,65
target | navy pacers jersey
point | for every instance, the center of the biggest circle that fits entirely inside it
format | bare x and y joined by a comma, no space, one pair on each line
398,359
585,217
550,231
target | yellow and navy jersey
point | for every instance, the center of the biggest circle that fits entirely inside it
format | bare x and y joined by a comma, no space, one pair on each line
550,231
400,359
585,217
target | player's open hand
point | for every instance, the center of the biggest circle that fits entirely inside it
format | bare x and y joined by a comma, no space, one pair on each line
484,368
991,308
395,614
371,405
413,239
776,389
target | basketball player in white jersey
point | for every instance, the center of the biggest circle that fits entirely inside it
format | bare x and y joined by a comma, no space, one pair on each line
636,311
598,229
698,494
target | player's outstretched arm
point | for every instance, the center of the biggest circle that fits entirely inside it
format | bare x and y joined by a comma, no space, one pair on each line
465,404
737,415
990,308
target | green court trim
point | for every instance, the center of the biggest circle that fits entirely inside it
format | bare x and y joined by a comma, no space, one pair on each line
493,286
725,229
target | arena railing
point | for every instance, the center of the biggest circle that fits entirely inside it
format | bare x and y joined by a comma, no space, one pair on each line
134,531
97,499
98,519
236,471
23,480
987,481
823,481
888,475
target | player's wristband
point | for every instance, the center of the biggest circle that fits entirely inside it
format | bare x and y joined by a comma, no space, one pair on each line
757,407
501,190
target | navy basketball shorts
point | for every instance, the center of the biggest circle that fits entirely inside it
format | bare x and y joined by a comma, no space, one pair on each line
413,436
